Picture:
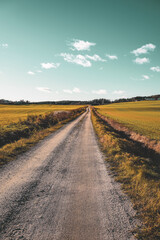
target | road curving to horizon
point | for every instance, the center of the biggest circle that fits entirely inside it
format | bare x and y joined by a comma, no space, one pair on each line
61,189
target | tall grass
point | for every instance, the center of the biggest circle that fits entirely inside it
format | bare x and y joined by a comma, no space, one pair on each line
138,169
16,137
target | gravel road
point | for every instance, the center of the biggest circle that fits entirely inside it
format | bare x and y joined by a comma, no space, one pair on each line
61,190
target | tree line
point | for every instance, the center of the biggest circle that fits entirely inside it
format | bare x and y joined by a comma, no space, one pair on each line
94,102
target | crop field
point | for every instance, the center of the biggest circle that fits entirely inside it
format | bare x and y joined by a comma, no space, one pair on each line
23,126
142,117
136,168
14,113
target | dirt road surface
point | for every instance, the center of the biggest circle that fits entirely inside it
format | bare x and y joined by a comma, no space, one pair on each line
62,190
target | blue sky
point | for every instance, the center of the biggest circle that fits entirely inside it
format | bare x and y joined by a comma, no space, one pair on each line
81,50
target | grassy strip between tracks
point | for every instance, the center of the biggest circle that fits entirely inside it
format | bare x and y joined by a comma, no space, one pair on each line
138,170
19,137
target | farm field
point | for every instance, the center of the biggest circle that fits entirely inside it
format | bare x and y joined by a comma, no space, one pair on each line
142,117
137,169
14,113
23,126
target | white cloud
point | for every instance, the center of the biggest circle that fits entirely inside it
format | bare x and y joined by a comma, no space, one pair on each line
141,60
83,60
77,59
123,97
31,73
145,77
144,49
44,89
50,65
119,92
4,45
155,69
95,58
81,45
99,92
112,57
38,71
67,91
76,90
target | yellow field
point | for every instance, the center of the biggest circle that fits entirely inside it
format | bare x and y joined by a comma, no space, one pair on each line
142,117
138,171
13,113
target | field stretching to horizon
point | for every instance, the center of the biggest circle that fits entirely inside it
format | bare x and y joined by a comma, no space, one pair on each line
141,117
13,113
134,163
23,125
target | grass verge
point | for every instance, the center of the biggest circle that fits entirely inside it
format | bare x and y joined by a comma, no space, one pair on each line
138,169
136,116
25,134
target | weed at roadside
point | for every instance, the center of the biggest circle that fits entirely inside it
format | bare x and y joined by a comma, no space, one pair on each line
139,175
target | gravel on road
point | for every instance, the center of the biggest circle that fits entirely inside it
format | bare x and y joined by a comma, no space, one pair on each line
62,190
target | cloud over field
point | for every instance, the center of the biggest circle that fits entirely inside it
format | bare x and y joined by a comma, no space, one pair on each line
80,45
155,69
141,60
77,59
44,89
95,58
74,90
83,60
50,65
31,73
4,45
112,57
144,49
145,77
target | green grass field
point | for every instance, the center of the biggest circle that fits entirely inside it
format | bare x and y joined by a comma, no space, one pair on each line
142,117
14,113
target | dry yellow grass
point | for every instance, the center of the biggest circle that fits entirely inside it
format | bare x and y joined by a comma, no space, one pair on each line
142,117
10,151
19,135
138,170
13,113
